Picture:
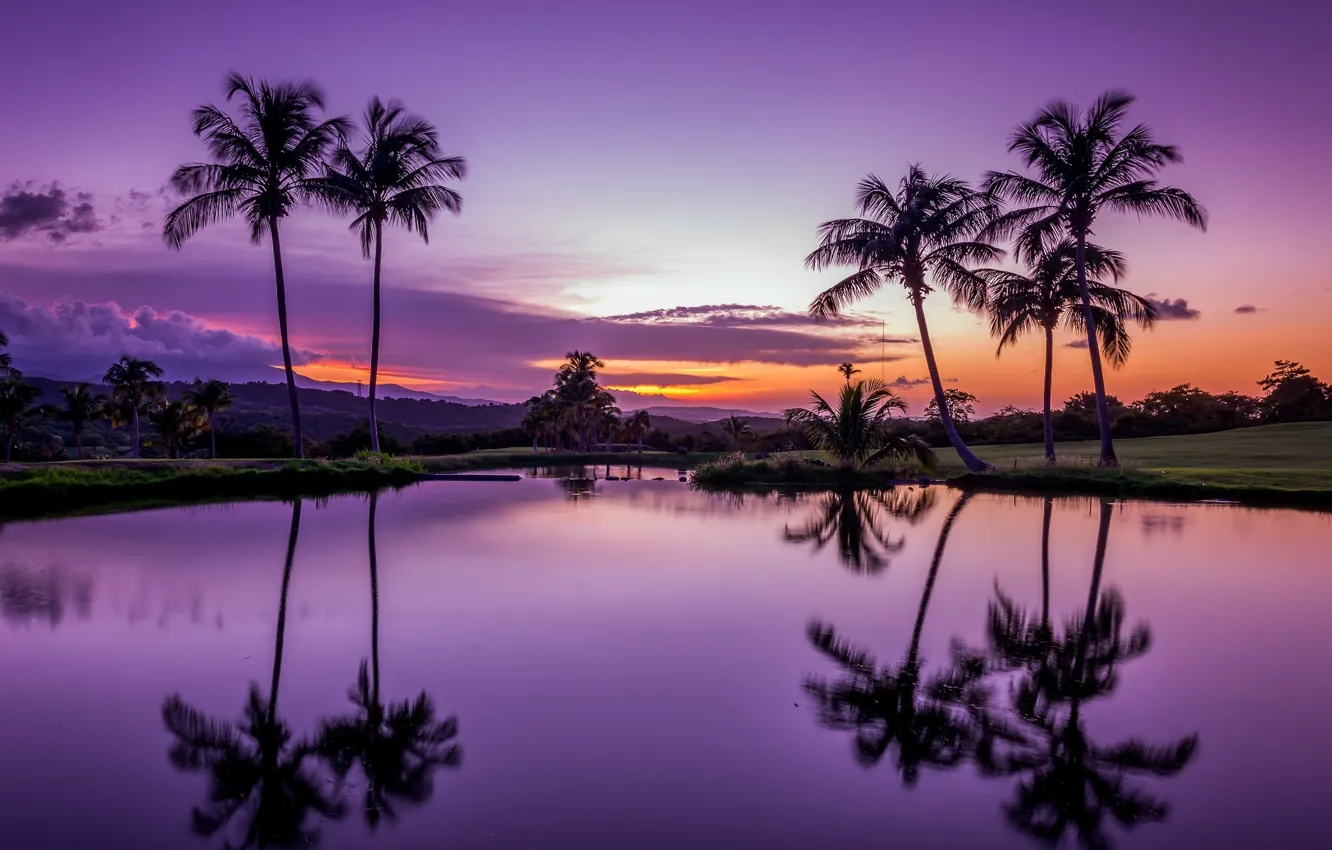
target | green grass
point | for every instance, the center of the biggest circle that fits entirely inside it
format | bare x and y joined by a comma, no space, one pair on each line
526,459
787,471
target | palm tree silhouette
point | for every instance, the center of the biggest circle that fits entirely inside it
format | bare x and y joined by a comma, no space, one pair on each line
888,705
578,393
736,428
929,225
210,398
16,409
1083,164
399,745
78,408
176,424
1050,295
847,370
7,370
1070,783
857,432
261,169
854,518
133,383
637,425
257,776
395,178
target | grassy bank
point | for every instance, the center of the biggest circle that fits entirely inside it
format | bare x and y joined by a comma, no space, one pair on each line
786,472
527,459
64,489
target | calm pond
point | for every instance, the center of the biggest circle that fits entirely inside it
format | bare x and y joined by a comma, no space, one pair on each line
632,664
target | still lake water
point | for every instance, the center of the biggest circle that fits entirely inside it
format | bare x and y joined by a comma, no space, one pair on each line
636,665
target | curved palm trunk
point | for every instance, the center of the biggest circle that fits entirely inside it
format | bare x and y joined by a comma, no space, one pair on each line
297,435
1093,346
973,463
1049,379
374,342
1045,562
374,602
914,651
1098,565
282,610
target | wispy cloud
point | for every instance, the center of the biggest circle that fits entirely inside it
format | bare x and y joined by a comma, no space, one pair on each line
1177,309
48,212
1248,308
903,382
732,316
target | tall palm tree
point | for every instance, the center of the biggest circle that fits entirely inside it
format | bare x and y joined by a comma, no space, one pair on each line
537,419
16,410
922,235
1050,295
1082,164
856,432
637,426
398,745
261,169
847,370
79,407
210,398
133,383
577,389
176,423
7,370
396,176
737,429
255,770
891,705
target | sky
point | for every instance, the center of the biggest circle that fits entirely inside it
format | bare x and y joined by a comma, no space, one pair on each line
645,181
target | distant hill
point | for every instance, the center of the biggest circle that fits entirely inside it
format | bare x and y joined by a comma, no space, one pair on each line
701,414
389,391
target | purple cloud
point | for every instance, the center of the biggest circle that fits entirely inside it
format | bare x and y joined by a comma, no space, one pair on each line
26,211
904,382
1168,310
732,316
1077,343
1248,308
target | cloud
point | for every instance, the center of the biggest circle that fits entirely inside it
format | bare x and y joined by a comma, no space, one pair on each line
660,379
79,340
733,316
49,210
1077,343
1168,310
904,382
1248,308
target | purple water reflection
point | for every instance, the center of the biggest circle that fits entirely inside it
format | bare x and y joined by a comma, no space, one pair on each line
629,670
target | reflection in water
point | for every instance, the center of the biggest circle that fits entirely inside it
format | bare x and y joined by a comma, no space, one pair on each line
885,705
1069,784
855,518
398,746
259,787
28,596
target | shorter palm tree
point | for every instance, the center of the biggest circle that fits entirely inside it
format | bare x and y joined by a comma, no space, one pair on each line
133,383
7,369
80,406
209,398
737,429
176,425
857,432
17,410
637,426
1049,295
847,370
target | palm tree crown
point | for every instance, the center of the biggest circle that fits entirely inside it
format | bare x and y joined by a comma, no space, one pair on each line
856,431
209,398
80,407
924,234
16,399
134,381
7,369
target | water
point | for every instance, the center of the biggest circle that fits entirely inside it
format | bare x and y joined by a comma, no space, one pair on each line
629,664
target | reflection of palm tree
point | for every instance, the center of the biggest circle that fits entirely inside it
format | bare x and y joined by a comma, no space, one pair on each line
1071,782
399,745
886,704
253,766
854,518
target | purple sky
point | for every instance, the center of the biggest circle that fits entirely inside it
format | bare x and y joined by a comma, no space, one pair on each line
634,157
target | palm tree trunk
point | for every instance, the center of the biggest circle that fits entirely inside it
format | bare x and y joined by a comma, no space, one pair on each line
212,435
282,610
1045,562
914,651
640,443
1049,378
973,463
134,421
1102,537
374,342
297,435
1094,348
78,440
374,602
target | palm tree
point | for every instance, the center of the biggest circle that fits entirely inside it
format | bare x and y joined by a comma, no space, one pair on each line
577,389
254,768
398,745
79,408
1082,165
210,397
852,517
16,410
637,426
176,424
133,383
887,705
927,228
737,429
856,432
1051,295
7,370
261,169
537,419
396,177
847,370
